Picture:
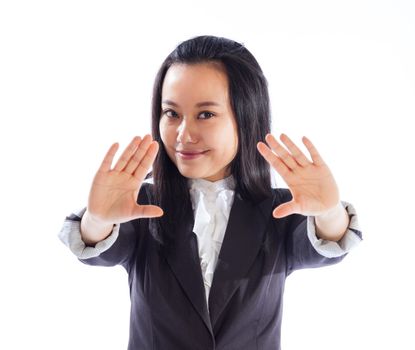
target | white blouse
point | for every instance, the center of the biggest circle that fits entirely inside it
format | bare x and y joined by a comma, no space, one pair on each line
211,202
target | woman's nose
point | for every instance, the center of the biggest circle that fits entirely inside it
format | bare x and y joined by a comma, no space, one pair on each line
186,132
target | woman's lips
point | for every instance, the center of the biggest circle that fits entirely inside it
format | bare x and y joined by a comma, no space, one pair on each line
190,155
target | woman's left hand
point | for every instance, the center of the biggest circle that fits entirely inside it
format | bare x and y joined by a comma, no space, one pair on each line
311,183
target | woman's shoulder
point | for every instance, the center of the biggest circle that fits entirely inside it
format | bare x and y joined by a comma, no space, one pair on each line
145,191
281,194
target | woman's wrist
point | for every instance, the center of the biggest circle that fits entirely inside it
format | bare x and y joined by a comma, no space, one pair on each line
93,230
333,224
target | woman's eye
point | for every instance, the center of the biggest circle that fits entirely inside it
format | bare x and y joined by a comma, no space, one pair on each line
170,113
207,115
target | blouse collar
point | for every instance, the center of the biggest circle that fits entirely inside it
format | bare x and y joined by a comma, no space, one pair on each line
228,183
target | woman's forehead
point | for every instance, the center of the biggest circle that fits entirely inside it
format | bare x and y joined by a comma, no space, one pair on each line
202,82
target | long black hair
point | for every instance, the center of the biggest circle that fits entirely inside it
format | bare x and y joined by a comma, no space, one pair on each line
248,93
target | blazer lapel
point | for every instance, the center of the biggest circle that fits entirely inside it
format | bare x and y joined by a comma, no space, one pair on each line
183,258
243,238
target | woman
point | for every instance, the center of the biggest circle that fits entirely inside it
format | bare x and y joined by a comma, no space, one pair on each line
206,241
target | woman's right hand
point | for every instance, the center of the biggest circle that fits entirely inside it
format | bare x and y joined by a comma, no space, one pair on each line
113,195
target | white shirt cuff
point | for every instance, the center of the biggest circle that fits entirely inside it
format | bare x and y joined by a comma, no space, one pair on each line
331,249
70,235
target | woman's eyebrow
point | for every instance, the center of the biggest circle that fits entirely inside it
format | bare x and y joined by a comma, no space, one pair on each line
199,104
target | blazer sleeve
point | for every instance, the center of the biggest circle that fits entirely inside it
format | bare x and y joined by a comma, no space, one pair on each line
304,249
117,249
121,251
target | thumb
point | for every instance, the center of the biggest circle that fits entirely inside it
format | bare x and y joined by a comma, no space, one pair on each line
148,211
285,209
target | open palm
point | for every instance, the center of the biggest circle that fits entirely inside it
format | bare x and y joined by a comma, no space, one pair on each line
113,195
311,183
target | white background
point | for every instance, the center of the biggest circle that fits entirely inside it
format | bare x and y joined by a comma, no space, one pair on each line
76,76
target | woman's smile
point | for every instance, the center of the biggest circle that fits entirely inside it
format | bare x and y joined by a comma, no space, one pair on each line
187,155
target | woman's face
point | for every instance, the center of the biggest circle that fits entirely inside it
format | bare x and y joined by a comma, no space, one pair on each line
197,125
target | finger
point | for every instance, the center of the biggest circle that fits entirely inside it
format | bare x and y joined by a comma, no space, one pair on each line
137,156
273,160
106,163
315,155
295,151
146,162
281,151
126,155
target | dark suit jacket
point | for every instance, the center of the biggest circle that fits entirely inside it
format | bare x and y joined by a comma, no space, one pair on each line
168,303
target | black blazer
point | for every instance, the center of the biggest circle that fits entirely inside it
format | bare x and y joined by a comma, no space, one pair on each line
168,302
